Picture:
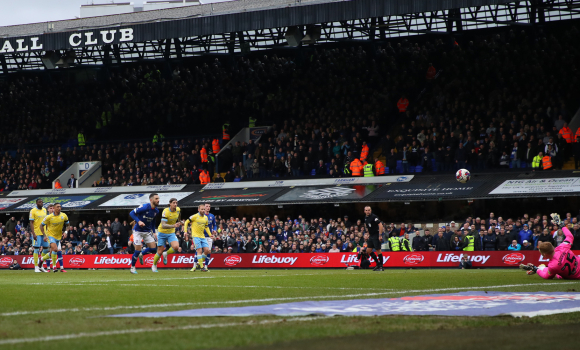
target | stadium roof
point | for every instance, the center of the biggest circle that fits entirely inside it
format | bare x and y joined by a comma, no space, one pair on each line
154,16
232,16
249,25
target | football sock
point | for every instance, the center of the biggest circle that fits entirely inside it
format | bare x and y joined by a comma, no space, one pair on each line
171,251
149,250
59,254
374,256
35,256
380,259
54,260
206,262
135,257
156,258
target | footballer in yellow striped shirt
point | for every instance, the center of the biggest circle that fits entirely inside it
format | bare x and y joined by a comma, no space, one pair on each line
53,225
199,226
40,241
170,220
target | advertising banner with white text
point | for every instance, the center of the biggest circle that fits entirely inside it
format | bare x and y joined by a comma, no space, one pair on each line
302,260
310,182
136,199
534,186
97,190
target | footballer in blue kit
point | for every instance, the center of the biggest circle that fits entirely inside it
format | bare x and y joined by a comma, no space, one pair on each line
144,217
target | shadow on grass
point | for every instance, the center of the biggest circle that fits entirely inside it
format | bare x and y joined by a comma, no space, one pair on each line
525,337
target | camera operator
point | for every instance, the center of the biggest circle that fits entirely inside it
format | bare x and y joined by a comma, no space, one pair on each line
15,265
363,259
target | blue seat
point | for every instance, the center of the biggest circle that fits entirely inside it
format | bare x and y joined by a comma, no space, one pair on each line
511,164
387,171
399,168
418,169
238,179
313,172
434,165
411,169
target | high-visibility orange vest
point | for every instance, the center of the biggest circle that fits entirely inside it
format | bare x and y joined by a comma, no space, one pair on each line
379,168
356,167
225,136
364,153
204,177
547,162
215,146
567,134
578,133
402,105
203,154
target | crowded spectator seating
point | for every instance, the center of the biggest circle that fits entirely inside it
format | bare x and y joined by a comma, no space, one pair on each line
312,235
487,102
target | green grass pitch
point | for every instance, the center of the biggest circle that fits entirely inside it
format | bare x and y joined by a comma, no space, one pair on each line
64,311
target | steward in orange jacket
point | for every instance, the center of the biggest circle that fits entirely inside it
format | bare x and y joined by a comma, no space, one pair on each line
379,167
356,167
204,177
215,146
364,153
567,134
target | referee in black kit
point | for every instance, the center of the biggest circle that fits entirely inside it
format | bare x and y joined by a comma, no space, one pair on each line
375,228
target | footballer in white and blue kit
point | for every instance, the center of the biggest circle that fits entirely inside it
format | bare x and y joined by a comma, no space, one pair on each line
144,217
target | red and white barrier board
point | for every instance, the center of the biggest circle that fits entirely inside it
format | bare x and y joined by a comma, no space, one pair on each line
303,260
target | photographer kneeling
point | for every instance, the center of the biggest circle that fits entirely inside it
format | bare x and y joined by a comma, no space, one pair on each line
465,263
15,266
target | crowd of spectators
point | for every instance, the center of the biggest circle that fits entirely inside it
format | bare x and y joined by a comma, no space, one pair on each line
102,237
496,101
313,235
492,233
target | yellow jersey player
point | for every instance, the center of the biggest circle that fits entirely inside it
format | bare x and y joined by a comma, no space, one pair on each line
199,226
166,232
45,259
53,225
40,240
212,225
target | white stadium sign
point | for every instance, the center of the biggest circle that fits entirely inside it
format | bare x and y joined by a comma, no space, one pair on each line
566,184
136,199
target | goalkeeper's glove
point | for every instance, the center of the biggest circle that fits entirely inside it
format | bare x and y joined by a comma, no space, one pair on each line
556,219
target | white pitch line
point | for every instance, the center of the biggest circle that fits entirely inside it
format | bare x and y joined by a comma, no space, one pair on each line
218,286
161,279
226,276
146,330
19,313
